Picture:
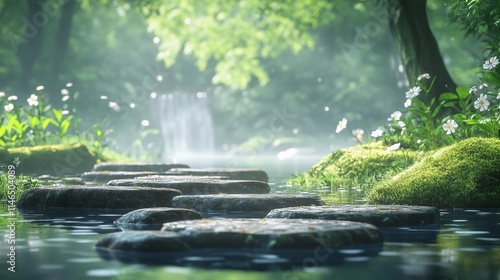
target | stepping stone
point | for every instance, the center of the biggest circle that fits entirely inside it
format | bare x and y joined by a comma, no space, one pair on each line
243,202
378,215
231,173
225,242
154,218
189,185
90,197
136,167
105,176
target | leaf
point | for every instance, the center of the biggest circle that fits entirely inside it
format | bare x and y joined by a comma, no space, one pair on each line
448,96
463,92
436,111
58,114
420,104
49,121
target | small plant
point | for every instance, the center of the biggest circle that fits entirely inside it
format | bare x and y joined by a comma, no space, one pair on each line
21,183
469,112
35,123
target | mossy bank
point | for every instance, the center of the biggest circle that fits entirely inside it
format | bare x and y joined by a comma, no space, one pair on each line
360,166
49,159
466,174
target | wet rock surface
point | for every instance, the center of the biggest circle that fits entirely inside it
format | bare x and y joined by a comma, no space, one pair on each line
136,167
106,176
268,234
154,218
197,185
243,202
378,215
231,173
96,197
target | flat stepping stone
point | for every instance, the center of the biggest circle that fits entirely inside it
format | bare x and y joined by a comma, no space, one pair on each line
378,215
243,202
231,173
90,197
105,176
226,241
193,185
136,167
154,218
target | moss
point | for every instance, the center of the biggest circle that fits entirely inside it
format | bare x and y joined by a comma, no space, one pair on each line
466,174
51,159
361,166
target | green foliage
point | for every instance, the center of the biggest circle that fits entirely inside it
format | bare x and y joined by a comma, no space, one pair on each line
32,124
465,174
480,19
454,116
359,166
234,34
18,184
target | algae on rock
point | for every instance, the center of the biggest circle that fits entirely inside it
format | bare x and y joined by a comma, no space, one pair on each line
360,165
465,174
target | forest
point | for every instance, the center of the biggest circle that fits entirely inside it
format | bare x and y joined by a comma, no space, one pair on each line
273,74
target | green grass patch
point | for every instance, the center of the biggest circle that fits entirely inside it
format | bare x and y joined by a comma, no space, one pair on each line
15,185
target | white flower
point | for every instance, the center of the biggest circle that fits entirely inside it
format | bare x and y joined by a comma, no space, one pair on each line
359,134
114,106
9,107
33,100
377,133
342,124
498,95
12,97
407,103
395,116
64,91
145,123
65,112
481,103
473,89
413,92
450,126
39,88
401,125
69,85
393,147
483,85
65,98
491,63
424,76
103,97
2,94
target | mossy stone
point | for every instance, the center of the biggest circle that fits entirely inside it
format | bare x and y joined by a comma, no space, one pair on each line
465,174
50,159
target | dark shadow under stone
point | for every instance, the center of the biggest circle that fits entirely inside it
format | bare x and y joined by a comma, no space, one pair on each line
136,167
231,173
378,215
243,202
154,218
194,185
91,197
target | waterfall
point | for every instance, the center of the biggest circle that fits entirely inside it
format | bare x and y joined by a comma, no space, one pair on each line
186,125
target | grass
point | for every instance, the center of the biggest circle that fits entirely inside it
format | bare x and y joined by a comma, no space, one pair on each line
20,184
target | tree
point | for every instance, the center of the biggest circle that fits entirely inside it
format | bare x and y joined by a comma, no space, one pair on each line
417,46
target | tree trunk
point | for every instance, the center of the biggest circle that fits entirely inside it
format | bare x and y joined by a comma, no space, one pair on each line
69,8
417,47
30,46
